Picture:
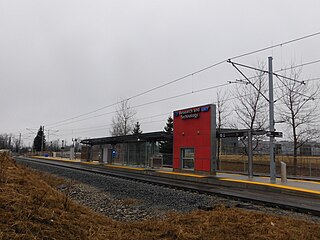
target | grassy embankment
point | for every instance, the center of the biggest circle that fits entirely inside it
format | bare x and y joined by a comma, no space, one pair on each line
31,208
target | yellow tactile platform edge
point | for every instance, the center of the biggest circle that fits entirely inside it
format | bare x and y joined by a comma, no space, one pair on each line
272,185
55,159
289,180
183,174
91,163
123,167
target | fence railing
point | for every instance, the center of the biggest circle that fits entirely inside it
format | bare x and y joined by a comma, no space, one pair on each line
306,166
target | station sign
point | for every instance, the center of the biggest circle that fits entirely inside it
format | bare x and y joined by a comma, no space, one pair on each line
191,113
231,134
274,134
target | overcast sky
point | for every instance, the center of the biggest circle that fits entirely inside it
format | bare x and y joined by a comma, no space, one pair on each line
60,59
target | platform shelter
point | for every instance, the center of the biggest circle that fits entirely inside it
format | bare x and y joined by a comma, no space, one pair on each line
134,150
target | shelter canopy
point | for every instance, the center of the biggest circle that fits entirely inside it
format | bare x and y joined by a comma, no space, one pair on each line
143,137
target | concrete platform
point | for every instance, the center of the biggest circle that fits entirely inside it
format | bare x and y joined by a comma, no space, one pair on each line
258,183
303,186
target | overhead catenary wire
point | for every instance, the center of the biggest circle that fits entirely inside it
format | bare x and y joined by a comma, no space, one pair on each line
145,104
96,128
188,75
301,94
101,126
262,70
140,94
299,65
164,99
180,95
235,66
106,128
277,45
284,69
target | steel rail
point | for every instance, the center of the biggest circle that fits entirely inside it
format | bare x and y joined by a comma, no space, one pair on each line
280,200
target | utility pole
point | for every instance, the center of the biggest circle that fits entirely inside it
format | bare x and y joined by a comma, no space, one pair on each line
62,147
19,143
42,138
271,123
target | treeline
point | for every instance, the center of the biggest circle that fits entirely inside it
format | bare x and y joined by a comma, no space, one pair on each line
8,141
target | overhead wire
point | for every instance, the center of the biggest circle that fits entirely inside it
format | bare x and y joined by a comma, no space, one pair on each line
189,75
283,69
105,128
300,65
165,99
148,103
101,126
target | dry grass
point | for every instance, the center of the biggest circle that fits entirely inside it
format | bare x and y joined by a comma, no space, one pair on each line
4,164
30,208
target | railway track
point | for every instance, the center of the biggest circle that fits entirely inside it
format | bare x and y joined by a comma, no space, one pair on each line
301,204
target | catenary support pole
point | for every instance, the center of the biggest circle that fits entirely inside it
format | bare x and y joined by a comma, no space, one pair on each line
271,123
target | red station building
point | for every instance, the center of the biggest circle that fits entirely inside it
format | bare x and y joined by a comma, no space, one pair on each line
194,139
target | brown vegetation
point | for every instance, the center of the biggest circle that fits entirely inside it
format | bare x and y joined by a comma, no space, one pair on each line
30,208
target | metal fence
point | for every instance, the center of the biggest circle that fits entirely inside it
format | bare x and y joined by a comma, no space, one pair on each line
306,166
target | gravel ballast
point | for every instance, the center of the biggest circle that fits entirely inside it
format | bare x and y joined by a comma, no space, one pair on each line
127,200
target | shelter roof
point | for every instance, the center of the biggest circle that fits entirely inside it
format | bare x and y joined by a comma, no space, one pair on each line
143,137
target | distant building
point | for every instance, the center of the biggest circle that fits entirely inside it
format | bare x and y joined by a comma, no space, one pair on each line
286,148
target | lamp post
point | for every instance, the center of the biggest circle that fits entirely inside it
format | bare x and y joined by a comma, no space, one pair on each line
62,148
75,148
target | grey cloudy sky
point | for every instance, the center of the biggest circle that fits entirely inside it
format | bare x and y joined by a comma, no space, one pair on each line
60,59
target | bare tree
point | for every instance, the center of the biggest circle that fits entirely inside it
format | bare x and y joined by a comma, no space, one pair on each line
222,114
251,106
16,144
299,110
6,141
123,121
222,109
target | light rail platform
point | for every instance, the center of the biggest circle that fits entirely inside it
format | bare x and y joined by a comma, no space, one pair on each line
293,186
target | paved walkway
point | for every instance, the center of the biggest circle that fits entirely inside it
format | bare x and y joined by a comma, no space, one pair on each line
291,184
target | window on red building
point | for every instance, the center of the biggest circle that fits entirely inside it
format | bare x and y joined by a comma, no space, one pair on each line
187,157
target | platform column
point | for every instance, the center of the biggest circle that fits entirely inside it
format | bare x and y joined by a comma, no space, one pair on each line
250,155
213,160
89,153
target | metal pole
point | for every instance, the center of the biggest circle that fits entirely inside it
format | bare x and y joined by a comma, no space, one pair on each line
42,138
19,143
271,123
310,169
250,155
61,149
